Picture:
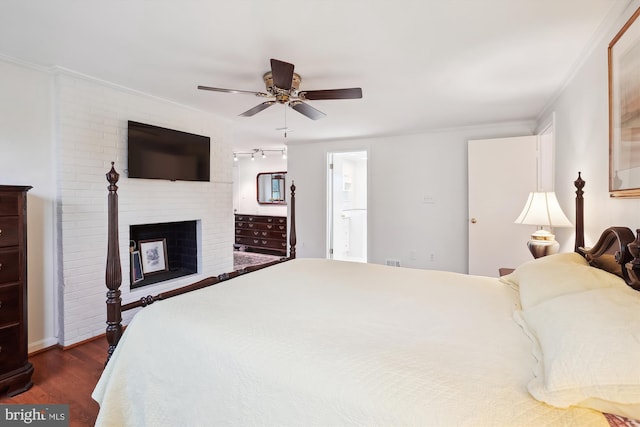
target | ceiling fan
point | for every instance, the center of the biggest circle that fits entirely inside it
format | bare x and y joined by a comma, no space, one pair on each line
282,87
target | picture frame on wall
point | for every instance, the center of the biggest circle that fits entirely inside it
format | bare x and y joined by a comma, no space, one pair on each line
137,274
624,110
153,255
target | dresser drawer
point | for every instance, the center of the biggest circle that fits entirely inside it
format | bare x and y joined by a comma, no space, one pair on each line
274,244
10,343
261,233
9,231
9,203
261,226
9,304
262,243
9,265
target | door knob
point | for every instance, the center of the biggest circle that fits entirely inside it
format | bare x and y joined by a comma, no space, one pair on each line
473,220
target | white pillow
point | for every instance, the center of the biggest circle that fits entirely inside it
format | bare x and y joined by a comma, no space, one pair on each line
559,274
588,350
513,279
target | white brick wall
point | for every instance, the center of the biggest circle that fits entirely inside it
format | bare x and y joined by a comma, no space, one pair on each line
92,132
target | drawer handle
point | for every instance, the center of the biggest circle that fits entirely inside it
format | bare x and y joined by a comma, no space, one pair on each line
264,242
0,231
269,226
0,303
255,233
264,233
250,225
0,348
0,266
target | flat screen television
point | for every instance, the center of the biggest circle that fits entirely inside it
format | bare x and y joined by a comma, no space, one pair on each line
159,153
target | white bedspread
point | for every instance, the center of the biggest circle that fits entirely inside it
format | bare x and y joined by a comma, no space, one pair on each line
328,343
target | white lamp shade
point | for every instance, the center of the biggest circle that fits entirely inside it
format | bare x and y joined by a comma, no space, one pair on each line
543,209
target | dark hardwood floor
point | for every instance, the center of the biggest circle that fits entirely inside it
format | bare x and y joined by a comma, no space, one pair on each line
67,376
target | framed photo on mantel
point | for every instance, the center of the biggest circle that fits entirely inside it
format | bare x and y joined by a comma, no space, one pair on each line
154,255
624,110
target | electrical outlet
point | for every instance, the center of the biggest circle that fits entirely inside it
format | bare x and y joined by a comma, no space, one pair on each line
432,257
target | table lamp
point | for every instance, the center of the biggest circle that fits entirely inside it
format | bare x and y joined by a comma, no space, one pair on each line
542,209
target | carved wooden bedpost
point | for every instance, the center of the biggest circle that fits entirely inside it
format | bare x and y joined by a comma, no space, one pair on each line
579,183
292,230
113,275
633,266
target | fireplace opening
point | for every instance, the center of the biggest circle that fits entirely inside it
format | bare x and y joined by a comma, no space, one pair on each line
162,251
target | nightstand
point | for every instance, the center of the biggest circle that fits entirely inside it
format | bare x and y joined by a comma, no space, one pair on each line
504,271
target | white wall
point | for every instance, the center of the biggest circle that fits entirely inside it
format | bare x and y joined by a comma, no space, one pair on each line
402,170
26,142
245,172
582,143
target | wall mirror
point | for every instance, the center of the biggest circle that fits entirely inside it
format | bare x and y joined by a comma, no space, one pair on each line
271,188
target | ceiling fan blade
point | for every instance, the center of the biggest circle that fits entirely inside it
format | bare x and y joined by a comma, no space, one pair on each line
282,73
258,108
351,93
307,110
218,89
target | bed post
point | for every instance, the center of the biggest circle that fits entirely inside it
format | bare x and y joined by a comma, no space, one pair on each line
579,183
292,228
113,275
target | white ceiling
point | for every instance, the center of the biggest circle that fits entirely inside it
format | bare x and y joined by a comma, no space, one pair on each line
422,65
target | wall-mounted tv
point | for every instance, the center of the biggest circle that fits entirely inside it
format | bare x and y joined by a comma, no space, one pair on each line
159,153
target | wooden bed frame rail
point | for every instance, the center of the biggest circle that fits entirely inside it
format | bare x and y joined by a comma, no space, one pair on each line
113,276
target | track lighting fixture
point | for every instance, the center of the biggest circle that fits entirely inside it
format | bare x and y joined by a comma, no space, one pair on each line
252,153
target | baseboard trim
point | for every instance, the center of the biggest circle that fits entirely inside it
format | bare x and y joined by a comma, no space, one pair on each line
42,345
79,343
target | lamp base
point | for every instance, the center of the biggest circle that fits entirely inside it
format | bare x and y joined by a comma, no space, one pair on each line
543,243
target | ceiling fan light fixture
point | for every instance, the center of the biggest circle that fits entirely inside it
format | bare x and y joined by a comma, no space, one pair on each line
269,86
282,86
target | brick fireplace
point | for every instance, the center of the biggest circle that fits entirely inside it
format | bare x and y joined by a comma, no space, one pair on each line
92,133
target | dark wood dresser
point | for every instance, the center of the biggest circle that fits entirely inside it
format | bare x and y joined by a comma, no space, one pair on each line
15,369
262,233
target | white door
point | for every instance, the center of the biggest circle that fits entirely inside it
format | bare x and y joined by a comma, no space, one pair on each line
502,172
347,213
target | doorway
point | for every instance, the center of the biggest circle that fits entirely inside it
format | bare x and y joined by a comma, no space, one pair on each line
347,206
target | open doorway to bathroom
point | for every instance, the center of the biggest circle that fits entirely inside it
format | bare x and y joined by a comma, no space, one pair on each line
347,206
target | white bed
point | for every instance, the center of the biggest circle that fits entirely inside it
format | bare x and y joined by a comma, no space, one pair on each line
314,342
